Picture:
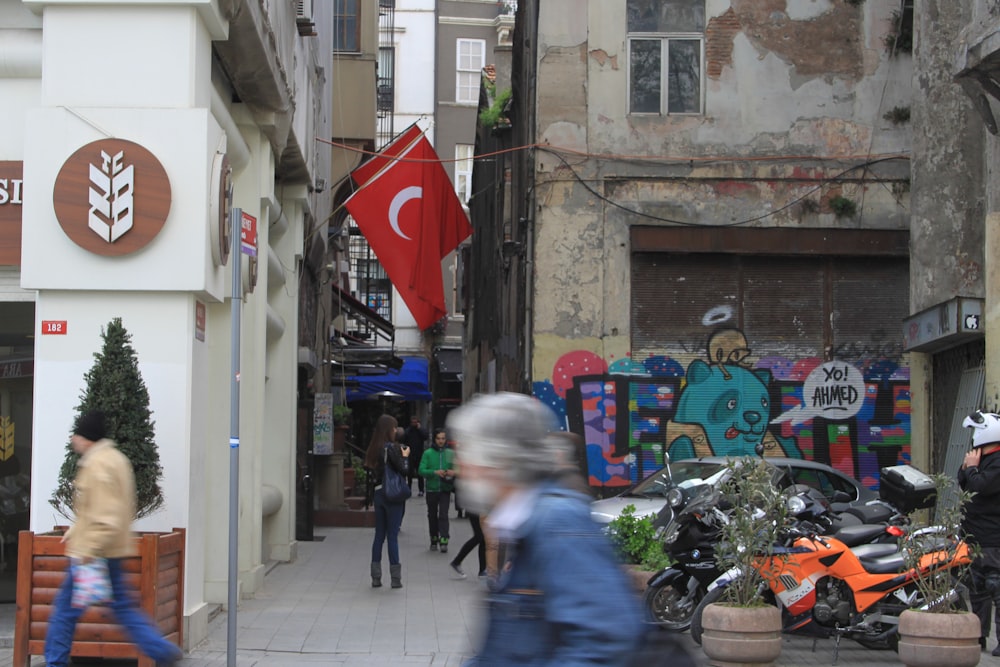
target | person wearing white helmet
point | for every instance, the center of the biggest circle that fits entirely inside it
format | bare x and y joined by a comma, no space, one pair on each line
560,596
980,474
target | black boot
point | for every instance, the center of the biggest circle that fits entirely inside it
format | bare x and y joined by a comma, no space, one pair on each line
396,573
376,575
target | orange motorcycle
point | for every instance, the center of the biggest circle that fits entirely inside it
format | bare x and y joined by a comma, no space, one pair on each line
825,588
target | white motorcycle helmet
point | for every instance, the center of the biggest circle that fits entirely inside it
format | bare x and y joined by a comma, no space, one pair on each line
986,428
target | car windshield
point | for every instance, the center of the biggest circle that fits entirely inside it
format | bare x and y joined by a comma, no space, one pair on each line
658,483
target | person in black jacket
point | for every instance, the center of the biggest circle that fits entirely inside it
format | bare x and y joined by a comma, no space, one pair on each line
415,436
383,451
980,474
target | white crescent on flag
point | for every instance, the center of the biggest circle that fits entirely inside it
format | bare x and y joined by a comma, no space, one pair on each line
403,196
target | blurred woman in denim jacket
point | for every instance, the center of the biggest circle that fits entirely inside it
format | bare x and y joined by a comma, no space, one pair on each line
560,596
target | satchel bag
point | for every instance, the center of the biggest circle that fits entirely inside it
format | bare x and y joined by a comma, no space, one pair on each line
394,485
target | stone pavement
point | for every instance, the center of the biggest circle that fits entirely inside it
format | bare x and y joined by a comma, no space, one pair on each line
321,610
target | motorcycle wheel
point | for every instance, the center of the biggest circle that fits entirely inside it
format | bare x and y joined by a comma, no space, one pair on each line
665,606
696,628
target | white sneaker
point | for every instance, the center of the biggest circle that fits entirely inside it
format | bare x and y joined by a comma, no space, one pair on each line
458,569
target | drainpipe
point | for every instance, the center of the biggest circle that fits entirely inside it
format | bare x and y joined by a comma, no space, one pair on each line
236,147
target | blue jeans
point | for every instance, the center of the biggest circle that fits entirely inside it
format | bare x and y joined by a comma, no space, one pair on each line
138,626
388,518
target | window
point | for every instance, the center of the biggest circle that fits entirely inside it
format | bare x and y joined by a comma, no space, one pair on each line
347,26
470,58
386,77
666,56
463,171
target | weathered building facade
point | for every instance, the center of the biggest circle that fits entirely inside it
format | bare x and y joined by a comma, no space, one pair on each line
944,333
704,242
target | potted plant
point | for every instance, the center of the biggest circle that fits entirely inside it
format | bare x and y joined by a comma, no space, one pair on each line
639,544
114,386
741,626
341,426
940,631
360,476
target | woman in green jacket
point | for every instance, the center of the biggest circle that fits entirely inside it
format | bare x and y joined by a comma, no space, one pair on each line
438,468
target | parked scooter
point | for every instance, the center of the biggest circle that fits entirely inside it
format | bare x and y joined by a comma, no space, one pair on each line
673,593
825,588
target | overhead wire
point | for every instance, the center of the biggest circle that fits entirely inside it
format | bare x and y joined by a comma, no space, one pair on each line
560,153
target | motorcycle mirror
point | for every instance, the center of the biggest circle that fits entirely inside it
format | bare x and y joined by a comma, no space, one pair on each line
759,449
666,464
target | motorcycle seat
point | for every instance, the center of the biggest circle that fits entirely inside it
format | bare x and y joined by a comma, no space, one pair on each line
852,536
871,551
883,564
873,513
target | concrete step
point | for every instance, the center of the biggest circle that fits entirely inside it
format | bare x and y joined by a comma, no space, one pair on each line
355,502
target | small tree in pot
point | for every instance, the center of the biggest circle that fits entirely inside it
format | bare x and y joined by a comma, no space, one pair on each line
940,631
736,623
115,387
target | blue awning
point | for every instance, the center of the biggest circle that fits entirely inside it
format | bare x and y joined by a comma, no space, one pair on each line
410,382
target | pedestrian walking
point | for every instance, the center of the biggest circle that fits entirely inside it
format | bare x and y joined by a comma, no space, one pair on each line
384,453
99,540
416,438
437,468
477,540
558,575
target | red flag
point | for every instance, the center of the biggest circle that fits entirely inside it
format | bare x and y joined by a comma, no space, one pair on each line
366,171
411,216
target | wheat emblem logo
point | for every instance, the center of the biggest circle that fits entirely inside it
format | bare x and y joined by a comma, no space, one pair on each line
6,438
111,189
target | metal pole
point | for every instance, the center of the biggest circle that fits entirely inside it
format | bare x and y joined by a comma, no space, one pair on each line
236,312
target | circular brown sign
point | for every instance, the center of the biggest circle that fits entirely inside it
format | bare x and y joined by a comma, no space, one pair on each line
112,197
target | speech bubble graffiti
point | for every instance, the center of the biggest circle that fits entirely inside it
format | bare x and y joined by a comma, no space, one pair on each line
834,390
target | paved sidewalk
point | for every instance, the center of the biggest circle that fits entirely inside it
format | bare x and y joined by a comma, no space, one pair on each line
321,610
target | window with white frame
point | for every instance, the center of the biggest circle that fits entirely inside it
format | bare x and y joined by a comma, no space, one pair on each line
463,171
470,58
666,49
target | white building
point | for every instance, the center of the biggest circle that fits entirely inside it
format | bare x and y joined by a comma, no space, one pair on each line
166,90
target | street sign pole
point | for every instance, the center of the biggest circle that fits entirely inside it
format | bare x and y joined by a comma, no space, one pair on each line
236,308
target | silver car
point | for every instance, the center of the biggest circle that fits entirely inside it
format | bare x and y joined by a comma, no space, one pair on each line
649,495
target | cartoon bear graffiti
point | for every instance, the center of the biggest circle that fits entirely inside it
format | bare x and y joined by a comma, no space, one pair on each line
724,410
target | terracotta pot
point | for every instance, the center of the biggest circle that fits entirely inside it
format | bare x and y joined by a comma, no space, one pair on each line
638,576
156,574
939,640
741,635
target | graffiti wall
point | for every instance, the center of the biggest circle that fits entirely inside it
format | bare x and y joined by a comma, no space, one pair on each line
855,417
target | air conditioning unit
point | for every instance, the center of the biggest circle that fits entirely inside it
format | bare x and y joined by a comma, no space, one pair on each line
304,18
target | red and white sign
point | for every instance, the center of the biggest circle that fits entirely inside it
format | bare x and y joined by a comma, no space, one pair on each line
248,235
54,327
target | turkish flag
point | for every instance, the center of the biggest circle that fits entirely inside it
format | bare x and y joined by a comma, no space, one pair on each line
408,210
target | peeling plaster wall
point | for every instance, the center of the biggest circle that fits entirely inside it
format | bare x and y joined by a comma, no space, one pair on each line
770,95
946,233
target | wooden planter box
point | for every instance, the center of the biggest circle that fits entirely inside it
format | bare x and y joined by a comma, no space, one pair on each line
156,575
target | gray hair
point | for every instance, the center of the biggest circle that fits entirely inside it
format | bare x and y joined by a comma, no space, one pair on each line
509,432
